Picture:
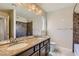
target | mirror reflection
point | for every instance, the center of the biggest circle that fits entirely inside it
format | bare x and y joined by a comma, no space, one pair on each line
21,22
4,26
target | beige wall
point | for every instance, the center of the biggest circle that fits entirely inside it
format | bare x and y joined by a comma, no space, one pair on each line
60,27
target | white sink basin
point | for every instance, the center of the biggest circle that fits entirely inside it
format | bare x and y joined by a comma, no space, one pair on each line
40,38
17,46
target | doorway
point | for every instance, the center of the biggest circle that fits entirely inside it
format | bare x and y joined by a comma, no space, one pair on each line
3,29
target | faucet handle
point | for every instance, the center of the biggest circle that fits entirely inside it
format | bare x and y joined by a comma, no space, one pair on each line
12,40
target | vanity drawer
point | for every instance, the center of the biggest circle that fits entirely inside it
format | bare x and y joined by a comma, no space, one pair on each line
37,47
45,42
36,53
28,52
43,51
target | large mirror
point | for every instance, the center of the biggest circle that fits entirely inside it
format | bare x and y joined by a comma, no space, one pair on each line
4,26
3,35
21,22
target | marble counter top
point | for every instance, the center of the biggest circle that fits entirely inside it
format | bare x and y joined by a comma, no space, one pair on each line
31,41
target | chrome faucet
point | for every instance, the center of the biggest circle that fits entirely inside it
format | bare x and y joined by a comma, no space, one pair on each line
12,41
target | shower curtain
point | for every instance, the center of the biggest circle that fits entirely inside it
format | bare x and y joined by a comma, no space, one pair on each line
76,33
76,28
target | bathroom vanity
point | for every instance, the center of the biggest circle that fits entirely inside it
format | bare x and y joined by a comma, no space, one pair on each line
40,49
32,46
17,24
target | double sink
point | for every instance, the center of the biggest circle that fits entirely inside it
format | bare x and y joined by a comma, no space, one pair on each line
17,46
20,45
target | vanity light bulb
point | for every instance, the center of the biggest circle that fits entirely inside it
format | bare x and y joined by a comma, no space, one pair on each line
33,7
40,11
29,8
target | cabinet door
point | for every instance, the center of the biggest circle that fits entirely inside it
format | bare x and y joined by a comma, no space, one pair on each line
47,49
36,53
42,51
27,53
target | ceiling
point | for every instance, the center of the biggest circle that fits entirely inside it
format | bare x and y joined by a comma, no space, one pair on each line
19,11
48,7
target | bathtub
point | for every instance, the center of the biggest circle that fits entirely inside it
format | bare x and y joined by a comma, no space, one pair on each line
76,49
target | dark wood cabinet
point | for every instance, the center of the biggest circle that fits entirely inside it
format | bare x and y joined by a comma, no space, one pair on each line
45,49
27,52
36,53
36,47
41,49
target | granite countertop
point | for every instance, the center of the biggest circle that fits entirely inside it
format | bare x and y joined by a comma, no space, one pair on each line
31,41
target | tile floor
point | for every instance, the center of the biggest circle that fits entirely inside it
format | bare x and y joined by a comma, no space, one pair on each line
61,52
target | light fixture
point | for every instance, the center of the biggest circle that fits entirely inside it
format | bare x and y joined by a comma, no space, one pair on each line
40,12
31,7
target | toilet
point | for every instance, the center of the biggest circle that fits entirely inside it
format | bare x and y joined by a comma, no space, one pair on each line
53,48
